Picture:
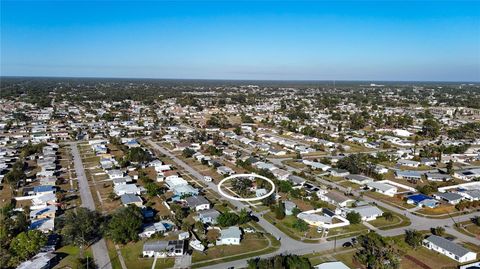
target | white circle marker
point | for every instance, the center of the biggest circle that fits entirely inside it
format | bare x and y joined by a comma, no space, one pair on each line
246,199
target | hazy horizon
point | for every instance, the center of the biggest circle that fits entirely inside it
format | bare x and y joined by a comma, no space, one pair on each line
435,41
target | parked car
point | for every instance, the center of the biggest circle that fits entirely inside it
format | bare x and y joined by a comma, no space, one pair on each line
347,245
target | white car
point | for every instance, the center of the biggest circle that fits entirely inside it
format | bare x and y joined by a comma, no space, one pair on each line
207,178
248,230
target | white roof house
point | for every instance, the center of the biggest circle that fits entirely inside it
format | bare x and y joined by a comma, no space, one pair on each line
151,229
368,212
230,236
408,163
359,179
317,165
127,189
383,188
114,174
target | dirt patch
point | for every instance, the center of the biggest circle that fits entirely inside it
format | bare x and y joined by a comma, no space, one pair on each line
417,262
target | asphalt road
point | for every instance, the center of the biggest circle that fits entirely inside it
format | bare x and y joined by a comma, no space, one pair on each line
99,249
291,246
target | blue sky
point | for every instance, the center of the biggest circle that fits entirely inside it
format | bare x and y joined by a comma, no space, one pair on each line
315,40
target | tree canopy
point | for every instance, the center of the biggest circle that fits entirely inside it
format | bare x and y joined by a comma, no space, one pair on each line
376,253
82,227
125,224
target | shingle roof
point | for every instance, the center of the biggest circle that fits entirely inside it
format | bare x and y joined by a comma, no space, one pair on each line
231,232
130,198
449,196
448,245
194,201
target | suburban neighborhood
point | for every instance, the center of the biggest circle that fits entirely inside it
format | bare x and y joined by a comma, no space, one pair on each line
90,179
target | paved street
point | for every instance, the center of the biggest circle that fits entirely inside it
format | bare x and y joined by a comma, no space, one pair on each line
289,245
99,249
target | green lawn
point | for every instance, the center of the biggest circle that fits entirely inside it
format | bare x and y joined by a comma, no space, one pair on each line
473,228
131,253
286,226
251,246
251,242
346,231
383,224
69,256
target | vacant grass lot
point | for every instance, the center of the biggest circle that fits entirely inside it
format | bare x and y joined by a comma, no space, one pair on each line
440,210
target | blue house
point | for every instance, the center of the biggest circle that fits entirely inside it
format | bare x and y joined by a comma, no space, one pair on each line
422,200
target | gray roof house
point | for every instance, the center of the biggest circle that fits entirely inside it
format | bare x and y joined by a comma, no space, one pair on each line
289,206
449,197
131,199
163,248
359,179
208,216
198,202
449,249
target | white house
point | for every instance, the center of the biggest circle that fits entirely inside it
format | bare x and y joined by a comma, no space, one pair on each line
230,236
368,212
359,179
198,202
127,189
449,249
316,165
163,249
408,163
383,188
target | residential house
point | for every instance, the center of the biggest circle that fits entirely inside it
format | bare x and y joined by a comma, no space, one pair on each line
449,249
383,188
208,216
323,218
164,249
157,227
449,197
114,174
42,260
42,213
335,172
467,174
289,207
408,175
225,171
359,179
422,200
336,198
44,225
316,165
127,189
198,202
281,174
230,236
439,177
296,181
408,163
131,199
368,212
